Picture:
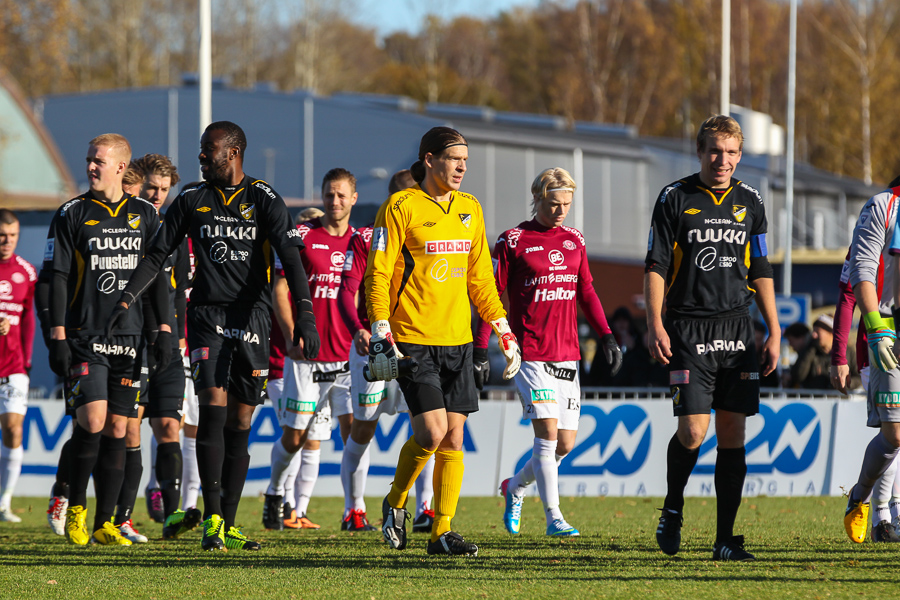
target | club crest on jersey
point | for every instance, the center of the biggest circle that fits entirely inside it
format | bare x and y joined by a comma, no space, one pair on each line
569,245
465,219
92,222
134,221
692,211
247,211
739,212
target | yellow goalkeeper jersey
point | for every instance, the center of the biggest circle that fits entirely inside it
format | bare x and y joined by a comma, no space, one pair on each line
427,259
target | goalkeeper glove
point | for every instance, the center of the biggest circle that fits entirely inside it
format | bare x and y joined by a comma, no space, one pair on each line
612,353
305,329
509,346
881,339
383,353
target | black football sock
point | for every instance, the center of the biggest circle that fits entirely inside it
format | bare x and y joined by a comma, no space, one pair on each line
168,473
210,456
83,450
731,469
108,477
237,463
679,464
134,469
63,471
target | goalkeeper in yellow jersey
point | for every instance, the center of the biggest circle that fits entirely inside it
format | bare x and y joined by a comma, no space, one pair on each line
429,256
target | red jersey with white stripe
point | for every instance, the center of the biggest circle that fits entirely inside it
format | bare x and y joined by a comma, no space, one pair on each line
323,258
17,280
545,271
355,267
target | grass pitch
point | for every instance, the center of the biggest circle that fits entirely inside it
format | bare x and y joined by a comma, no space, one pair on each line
800,545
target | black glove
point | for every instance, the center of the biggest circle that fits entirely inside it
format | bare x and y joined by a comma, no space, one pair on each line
162,349
116,320
482,367
612,353
305,329
60,357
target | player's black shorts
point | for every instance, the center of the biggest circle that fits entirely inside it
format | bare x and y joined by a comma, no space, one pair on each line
444,380
165,390
105,369
230,350
713,365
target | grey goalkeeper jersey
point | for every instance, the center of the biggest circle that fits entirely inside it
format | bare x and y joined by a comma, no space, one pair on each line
871,245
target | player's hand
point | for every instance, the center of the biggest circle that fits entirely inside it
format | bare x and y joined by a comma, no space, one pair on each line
60,357
658,341
509,346
840,377
4,326
612,353
771,352
383,353
482,367
162,349
361,342
116,319
881,349
305,331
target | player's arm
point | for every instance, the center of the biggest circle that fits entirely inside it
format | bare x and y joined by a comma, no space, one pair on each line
865,255
484,295
284,315
659,257
388,238
482,337
42,303
759,274
843,318
346,299
592,308
26,326
59,252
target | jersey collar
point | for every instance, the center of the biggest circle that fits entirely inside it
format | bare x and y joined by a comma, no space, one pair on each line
230,193
716,197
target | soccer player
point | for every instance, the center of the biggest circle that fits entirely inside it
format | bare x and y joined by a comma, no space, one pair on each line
876,241
370,398
233,221
429,256
98,239
17,282
544,266
314,389
707,257
277,350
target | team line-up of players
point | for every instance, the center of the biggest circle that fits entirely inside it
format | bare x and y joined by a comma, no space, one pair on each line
391,301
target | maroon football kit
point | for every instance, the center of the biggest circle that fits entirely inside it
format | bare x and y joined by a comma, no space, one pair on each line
17,281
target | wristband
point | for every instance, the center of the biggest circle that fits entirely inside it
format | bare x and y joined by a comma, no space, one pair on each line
873,321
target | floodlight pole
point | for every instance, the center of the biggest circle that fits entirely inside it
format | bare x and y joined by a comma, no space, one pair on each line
205,67
789,161
725,84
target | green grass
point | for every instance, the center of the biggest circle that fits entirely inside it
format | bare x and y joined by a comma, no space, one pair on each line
801,549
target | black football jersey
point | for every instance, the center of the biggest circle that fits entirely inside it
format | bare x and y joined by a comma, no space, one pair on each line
99,244
233,232
703,240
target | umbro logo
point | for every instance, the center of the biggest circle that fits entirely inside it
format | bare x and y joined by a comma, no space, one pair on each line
91,222
429,224
204,209
692,211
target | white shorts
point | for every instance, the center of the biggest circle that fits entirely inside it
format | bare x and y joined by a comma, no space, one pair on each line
191,407
274,389
14,394
550,390
372,399
313,393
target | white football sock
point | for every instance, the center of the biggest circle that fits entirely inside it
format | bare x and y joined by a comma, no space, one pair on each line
894,508
546,474
281,463
152,482
306,481
354,470
290,480
425,487
10,469
881,494
190,474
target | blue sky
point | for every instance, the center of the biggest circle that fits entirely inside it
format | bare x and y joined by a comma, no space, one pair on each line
388,16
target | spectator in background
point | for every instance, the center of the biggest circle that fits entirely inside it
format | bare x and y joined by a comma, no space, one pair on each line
759,331
639,369
813,348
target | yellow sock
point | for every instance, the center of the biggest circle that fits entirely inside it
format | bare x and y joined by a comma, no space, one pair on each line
411,462
448,476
